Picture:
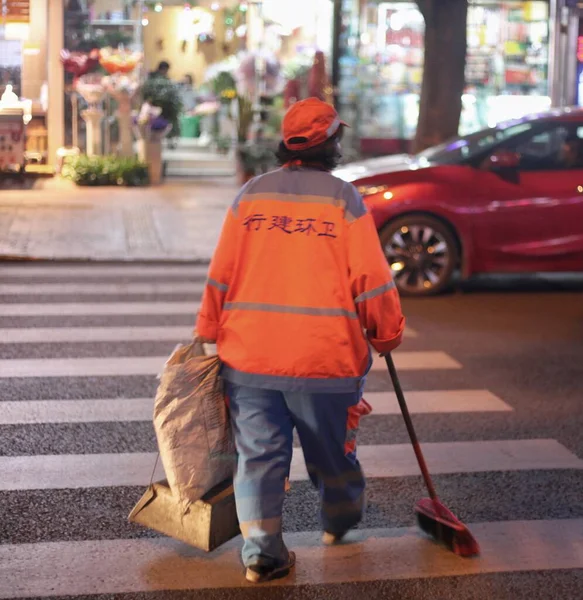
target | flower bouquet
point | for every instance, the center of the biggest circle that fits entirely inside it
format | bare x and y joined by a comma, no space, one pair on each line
150,125
259,67
119,60
224,87
79,63
91,89
121,88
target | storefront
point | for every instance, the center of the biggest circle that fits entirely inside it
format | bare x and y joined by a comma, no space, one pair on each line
283,51
23,78
262,45
381,67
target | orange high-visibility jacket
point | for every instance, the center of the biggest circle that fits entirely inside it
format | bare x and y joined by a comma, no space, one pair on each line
297,275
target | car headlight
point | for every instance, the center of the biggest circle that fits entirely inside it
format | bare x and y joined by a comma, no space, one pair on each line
371,190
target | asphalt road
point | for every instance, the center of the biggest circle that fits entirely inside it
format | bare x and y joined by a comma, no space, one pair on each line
519,347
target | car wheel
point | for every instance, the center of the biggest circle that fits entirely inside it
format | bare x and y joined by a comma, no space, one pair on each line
422,252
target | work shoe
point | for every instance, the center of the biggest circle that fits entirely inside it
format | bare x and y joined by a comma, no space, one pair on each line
331,539
261,574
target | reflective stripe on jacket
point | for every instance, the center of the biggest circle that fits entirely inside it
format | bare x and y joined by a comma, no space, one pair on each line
297,275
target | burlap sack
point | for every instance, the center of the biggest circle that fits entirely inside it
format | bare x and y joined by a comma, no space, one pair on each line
192,424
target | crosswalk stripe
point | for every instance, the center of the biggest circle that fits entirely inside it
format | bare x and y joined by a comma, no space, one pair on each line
76,411
83,568
88,270
87,289
398,460
96,334
152,365
438,401
82,367
97,308
106,334
140,409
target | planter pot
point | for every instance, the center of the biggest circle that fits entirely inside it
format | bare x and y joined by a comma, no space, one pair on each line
245,172
189,127
150,152
243,176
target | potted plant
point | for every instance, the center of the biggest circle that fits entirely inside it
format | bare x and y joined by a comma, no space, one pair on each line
223,143
151,127
105,170
253,159
165,95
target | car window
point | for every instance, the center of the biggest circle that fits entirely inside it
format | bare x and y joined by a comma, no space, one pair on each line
558,147
470,146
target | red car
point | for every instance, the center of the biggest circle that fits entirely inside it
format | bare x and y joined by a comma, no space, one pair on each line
505,200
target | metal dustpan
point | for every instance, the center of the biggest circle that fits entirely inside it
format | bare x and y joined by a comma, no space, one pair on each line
207,524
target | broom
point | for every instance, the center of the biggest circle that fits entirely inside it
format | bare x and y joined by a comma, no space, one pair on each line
433,517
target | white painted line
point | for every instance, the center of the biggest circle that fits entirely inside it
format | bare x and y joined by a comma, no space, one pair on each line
76,411
152,365
413,361
398,460
140,409
105,470
97,308
88,289
82,367
77,471
25,271
96,334
103,334
439,401
115,567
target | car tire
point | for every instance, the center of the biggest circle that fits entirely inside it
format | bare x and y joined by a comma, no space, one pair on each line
423,253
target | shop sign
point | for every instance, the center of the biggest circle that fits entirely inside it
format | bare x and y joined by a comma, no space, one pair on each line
15,11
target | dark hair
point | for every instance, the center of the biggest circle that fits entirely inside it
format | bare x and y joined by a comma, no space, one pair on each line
164,66
325,156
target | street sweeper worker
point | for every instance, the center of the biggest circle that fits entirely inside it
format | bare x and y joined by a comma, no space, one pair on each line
297,289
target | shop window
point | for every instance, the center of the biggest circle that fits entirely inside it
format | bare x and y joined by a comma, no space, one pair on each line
11,65
382,63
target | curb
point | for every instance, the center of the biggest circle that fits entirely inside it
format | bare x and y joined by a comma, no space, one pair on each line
102,261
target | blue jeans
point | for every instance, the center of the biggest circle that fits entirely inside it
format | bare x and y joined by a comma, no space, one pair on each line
263,423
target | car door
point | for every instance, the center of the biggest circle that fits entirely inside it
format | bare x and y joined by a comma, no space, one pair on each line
533,218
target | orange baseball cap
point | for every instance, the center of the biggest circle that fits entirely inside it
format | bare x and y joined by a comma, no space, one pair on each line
309,123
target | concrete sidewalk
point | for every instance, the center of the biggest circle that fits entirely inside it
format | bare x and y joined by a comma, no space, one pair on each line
180,220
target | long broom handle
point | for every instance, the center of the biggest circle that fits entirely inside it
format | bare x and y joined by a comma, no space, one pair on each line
410,428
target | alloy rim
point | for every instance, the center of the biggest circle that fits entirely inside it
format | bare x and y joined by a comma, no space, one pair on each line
419,256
